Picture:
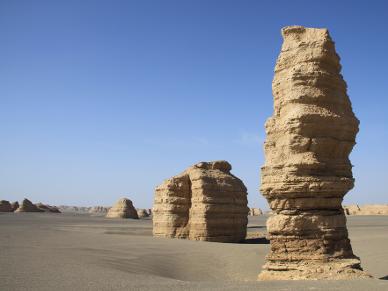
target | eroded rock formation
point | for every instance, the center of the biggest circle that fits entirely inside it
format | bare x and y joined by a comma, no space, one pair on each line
205,202
123,209
5,206
28,206
307,171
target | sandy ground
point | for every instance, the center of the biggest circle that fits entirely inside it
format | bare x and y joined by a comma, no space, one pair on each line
40,251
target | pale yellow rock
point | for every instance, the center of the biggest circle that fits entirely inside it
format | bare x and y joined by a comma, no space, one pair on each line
307,170
205,202
123,209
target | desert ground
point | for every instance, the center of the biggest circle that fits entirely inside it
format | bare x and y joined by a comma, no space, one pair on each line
41,251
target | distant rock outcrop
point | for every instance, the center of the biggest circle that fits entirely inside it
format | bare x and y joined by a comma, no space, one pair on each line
15,205
28,206
98,210
123,209
142,213
5,206
307,170
205,202
48,208
373,209
255,211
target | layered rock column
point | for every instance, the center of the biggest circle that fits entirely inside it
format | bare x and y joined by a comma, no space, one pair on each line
307,170
205,202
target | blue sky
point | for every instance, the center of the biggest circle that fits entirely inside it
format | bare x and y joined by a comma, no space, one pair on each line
106,99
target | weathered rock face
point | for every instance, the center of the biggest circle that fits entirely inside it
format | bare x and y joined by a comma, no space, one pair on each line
142,213
307,171
205,202
5,206
255,211
28,206
123,209
373,209
15,205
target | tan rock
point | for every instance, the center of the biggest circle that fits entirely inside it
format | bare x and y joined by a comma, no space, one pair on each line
142,213
5,206
15,205
123,209
307,170
205,202
255,211
28,206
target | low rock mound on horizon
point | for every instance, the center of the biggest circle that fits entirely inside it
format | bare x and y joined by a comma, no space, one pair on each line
48,208
123,209
205,202
369,209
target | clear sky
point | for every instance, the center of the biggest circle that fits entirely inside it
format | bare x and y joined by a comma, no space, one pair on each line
106,99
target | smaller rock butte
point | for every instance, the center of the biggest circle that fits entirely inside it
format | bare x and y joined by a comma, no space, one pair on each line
5,206
123,209
205,202
28,206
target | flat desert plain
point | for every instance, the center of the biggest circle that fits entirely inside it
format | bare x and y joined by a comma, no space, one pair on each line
41,251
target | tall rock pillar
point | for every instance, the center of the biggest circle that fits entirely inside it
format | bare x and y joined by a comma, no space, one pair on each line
307,170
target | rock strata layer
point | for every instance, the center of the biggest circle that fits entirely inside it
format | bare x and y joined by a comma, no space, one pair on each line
307,171
123,209
205,202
